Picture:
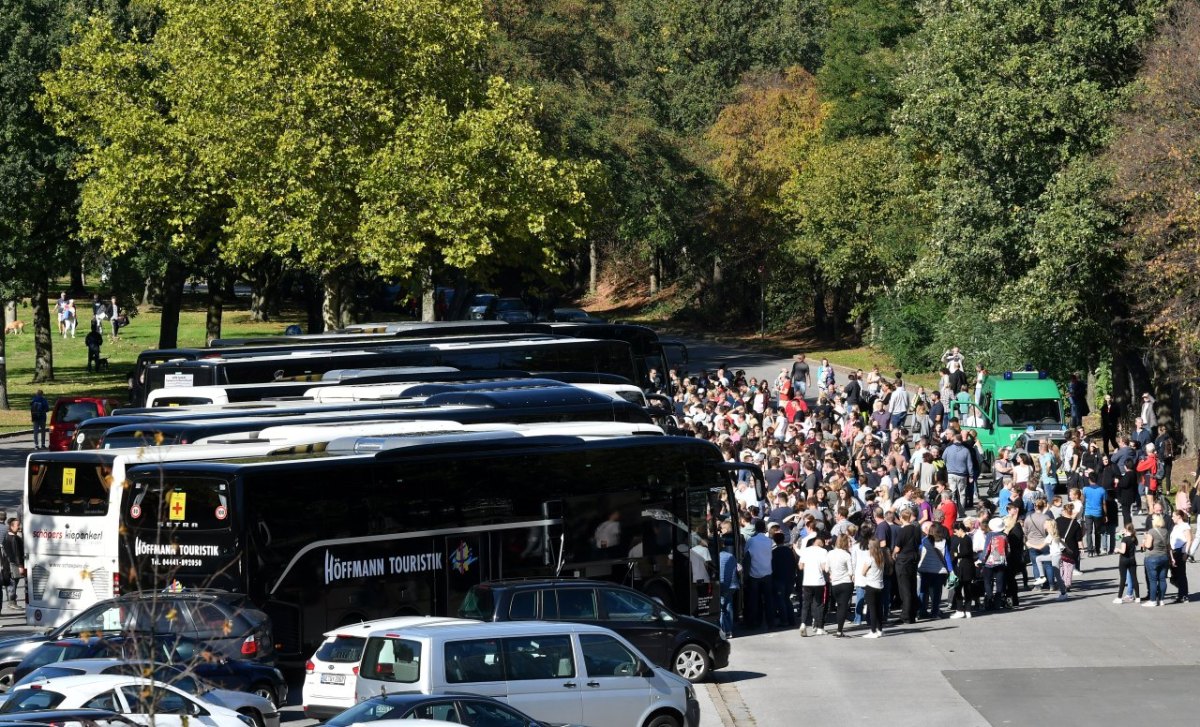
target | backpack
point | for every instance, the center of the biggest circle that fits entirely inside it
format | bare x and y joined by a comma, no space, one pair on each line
1167,449
997,550
38,407
1160,471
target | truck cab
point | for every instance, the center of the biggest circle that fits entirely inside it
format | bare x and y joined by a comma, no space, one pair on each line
1010,405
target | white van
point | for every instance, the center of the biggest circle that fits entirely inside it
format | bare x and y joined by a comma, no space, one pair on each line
331,674
554,672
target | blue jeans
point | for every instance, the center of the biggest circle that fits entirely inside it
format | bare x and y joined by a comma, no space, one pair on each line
931,593
1038,569
39,433
728,599
860,604
1156,577
898,420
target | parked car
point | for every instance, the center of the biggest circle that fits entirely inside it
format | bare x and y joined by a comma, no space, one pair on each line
330,675
69,411
67,718
480,306
555,672
688,646
141,699
466,709
169,651
511,310
255,705
570,315
226,622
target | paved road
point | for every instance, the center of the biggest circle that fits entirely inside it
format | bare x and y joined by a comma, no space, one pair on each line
1082,662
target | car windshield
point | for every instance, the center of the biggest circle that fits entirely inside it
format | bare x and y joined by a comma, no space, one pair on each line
49,672
341,650
367,711
482,300
56,651
1023,412
31,700
76,411
510,304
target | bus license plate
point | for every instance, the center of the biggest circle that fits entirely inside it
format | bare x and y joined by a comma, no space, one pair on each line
333,678
70,594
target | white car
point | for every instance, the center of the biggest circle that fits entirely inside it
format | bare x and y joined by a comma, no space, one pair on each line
332,672
137,697
260,709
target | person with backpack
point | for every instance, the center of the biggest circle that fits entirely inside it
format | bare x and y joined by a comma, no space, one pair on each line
994,560
1151,470
94,340
38,409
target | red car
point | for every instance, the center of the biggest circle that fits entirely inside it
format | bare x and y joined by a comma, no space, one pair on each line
69,411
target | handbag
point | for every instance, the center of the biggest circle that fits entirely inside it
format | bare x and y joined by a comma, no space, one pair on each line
952,580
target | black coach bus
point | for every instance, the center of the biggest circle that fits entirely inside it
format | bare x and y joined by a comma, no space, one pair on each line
585,356
544,404
327,539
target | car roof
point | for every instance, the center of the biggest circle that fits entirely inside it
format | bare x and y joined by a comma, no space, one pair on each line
543,582
498,628
50,716
83,681
365,628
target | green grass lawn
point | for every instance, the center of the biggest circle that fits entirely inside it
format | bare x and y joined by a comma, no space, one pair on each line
70,355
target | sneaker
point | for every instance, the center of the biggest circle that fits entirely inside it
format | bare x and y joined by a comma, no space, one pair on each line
958,614
1118,600
1160,603
1040,581
1061,597
1130,599
967,613
1149,604
804,631
819,632
873,635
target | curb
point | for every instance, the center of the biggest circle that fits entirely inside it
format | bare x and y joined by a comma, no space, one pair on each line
14,435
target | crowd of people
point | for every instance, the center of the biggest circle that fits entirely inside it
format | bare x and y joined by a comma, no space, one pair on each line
873,502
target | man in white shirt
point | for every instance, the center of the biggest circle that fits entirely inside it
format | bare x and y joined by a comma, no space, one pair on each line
814,564
1148,416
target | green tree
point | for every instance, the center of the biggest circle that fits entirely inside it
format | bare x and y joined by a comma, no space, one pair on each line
256,129
37,197
861,59
1009,101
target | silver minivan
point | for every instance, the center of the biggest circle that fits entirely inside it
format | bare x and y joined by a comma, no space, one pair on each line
554,672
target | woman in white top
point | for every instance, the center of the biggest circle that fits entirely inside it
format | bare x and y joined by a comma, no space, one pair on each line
1181,545
841,579
871,569
1022,472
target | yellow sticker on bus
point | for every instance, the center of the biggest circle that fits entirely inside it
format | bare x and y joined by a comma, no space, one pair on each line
68,480
177,506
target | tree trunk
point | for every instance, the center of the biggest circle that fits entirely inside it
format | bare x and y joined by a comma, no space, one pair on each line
264,288
818,302
172,303
310,288
338,306
428,290
4,367
43,361
593,266
76,278
147,292
216,305
654,273
717,275
10,312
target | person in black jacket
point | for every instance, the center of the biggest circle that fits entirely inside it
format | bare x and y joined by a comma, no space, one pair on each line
1016,549
963,555
14,558
1110,418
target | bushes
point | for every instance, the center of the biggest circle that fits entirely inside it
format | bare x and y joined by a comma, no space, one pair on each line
907,331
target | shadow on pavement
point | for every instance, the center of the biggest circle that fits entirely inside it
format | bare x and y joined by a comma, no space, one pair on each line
728,676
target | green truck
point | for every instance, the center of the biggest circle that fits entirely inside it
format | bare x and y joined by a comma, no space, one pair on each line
1010,405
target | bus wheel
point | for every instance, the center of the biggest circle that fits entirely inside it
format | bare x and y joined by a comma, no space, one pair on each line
691,662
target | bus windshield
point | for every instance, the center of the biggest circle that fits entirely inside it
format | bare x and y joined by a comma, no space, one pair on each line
60,489
181,504
1023,412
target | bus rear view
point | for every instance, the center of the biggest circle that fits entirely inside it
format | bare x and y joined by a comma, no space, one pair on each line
71,536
